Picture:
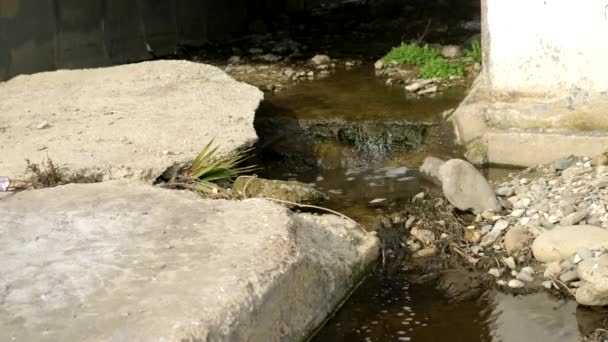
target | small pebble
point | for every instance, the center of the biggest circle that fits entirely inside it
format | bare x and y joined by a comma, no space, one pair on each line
515,284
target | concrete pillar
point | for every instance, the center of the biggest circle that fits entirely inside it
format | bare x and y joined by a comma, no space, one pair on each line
543,93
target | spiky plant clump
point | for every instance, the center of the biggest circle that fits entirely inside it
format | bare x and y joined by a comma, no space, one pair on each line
475,53
208,169
411,54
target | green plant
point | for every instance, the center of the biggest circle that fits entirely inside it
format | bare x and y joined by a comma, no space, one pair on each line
411,54
441,68
475,53
208,169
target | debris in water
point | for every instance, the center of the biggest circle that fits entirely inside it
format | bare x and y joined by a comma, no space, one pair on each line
377,200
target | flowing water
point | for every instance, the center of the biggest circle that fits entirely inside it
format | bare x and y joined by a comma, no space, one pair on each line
361,142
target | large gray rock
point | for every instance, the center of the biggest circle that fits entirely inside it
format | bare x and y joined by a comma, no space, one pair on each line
563,241
466,188
117,262
130,121
430,169
593,274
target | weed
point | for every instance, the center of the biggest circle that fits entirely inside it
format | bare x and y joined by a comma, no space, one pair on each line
474,54
411,54
46,174
441,68
208,169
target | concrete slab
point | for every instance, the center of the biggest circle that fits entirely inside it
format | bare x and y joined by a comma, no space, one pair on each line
131,121
123,262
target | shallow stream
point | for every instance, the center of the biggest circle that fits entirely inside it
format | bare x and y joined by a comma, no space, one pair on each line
360,142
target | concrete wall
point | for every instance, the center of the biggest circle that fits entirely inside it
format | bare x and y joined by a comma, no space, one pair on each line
547,45
38,35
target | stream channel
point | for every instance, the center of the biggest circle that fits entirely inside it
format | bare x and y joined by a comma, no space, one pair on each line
358,140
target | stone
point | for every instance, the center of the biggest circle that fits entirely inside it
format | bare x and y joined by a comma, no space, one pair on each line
321,60
563,241
429,90
553,270
465,188
516,239
425,236
574,218
430,169
426,252
292,191
495,272
518,212
416,86
548,284
510,262
528,269
289,72
601,159
569,276
269,57
158,105
490,238
505,191
379,65
525,277
515,284
501,225
132,262
256,51
593,289
562,164
472,235
410,222
451,51
234,60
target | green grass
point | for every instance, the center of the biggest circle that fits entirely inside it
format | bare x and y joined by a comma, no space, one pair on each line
441,68
411,54
208,169
433,65
475,53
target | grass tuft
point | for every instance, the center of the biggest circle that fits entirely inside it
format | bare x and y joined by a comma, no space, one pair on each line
441,68
474,54
411,54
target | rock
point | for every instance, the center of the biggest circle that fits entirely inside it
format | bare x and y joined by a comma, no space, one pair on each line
426,252
584,253
510,262
495,272
451,51
553,270
234,60
525,277
269,57
548,284
574,218
171,99
289,72
321,60
379,65
504,191
466,188
44,125
472,235
429,90
601,159
562,164
528,270
501,225
425,236
518,212
490,238
131,262
430,169
414,87
563,241
593,289
515,284
292,191
569,276
516,239
410,222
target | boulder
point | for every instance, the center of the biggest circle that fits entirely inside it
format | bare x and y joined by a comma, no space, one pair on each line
321,60
564,241
593,274
130,121
121,262
292,191
451,51
430,169
466,188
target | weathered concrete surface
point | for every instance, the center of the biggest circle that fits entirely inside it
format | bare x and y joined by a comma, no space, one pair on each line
132,121
119,262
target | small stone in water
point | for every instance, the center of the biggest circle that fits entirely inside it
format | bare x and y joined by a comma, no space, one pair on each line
377,200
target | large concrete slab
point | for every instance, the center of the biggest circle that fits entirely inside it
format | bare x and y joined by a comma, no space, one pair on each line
131,121
120,262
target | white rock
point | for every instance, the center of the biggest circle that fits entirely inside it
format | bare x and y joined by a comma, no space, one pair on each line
528,270
430,169
518,212
526,277
414,87
510,262
563,242
425,236
501,282
379,65
548,284
451,51
495,272
321,60
515,284
593,289
553,270
516,239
